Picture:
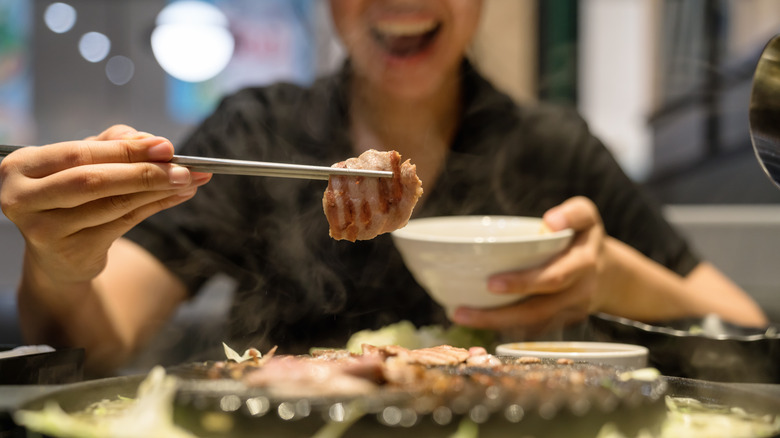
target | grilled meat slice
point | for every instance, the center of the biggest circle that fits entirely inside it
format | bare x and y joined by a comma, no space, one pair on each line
302,376
360,208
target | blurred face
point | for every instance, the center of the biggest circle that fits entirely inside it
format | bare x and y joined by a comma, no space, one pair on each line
408,48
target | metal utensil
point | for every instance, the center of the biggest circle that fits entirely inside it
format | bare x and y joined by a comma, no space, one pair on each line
764,113
255,168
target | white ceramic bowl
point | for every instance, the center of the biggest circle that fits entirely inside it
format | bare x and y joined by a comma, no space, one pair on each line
453,256
622,355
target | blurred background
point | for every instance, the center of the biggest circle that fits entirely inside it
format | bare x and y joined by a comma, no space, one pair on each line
665,84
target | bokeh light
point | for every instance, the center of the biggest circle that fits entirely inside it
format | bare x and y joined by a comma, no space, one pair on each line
191,41
60,17
120,70
94,46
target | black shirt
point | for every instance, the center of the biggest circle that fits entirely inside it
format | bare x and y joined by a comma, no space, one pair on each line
297,287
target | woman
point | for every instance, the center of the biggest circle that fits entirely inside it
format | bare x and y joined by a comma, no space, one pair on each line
95,275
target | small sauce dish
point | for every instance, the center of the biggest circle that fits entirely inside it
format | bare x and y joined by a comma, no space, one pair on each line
622,355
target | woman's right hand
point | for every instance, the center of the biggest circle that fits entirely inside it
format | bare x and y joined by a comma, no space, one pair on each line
72,200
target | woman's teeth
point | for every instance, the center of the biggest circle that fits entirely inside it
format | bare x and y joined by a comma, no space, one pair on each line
405,38
396,29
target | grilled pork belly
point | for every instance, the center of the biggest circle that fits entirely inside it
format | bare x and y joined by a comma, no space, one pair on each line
443,378
439,376
361,208
302,376
339,372
432,356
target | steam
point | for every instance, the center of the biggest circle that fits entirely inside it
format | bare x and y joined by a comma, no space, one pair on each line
298,288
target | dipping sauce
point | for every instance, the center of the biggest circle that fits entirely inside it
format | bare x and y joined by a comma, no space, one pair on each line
563,349
625,355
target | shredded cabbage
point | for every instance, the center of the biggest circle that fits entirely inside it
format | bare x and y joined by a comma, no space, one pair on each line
149,414
231,354
405,334
687,417
641,374
690,417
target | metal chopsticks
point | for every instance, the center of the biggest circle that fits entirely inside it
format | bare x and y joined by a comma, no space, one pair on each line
255,168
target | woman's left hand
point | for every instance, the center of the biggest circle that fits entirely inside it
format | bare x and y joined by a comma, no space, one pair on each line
561,292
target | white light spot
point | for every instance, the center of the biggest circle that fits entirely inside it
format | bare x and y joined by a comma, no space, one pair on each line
302,408
337,412
391,416
59,17
258,405
408,418
442,415
230,403
514,413
286,411
119,70
479,414
191,41
94,46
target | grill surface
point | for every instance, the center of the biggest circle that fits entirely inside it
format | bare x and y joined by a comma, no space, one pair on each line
536,399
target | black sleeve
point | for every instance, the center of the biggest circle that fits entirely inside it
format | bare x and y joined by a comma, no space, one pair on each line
231,225
205,235
629,213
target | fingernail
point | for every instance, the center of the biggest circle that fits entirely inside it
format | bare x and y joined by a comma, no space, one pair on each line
179,175
498,286
162,151
555,220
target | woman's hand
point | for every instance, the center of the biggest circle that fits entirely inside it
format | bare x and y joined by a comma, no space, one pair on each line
563,291
72,200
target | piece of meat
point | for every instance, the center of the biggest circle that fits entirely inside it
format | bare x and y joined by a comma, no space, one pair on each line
361,208
301,376
436,376
432,356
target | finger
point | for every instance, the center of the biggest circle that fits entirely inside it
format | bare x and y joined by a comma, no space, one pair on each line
135,135
113,230
106,210
38,162
567,268
560,273
578,213
81,228
83,184
535,311
92,243
116,132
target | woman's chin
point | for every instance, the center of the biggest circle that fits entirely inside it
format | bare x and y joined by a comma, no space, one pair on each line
412,79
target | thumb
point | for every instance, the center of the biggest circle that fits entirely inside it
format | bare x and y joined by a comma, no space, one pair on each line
578,213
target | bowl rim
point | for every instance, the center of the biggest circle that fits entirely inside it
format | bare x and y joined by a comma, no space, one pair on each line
617,350
407,233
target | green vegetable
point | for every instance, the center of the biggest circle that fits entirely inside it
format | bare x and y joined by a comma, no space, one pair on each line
149,414
466,429
405,334
687,417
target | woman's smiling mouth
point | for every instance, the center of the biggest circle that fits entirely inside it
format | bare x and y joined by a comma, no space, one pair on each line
405,38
